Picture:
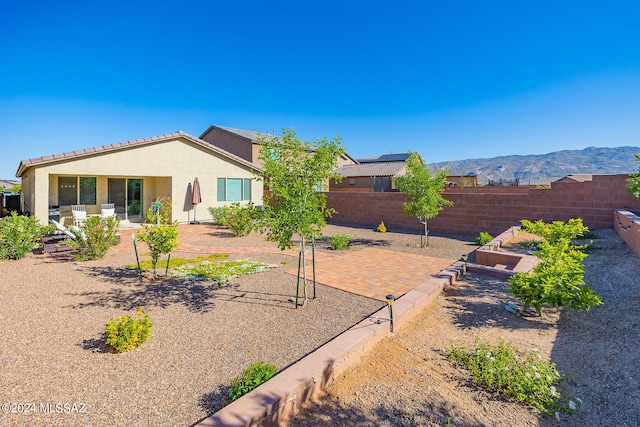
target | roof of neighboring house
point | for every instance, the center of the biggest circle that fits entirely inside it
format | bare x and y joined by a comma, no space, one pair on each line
77,154
253,137
577,177
399,157
247,134
370,169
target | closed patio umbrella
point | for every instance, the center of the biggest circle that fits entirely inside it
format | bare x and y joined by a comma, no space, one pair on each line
195,198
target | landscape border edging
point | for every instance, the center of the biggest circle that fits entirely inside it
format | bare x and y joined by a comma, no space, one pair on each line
274,401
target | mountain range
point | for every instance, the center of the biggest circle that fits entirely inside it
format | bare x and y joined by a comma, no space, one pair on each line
545,168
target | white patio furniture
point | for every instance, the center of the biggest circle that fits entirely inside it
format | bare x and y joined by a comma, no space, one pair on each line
107,210
79,213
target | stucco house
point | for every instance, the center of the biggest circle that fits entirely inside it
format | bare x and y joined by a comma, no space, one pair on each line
133,174
246,144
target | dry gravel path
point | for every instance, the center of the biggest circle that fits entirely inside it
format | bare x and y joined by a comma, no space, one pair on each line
53,314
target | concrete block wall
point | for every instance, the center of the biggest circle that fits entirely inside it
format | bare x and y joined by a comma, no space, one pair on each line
627,225
494,209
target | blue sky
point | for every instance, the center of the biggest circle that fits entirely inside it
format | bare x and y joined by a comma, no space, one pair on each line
452,80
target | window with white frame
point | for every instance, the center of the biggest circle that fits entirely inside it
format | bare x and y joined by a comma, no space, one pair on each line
234,189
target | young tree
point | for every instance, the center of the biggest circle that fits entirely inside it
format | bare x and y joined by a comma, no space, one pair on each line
293,172
633,182
425,190
160,235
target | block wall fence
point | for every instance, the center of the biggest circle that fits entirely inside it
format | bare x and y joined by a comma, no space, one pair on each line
494,209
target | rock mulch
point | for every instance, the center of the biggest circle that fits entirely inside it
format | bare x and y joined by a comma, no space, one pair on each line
53,316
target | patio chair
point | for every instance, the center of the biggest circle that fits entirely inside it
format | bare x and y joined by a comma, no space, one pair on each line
107,210
62,230
79,213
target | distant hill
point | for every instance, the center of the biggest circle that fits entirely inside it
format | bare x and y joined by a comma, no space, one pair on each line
544,168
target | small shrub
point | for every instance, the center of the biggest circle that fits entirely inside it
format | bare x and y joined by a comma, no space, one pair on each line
256,374
95,239
523,377
219,215
340,242
125,333
483,238
241,219
381,228
19,235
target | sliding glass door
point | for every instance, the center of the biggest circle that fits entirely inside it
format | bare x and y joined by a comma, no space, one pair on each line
126,194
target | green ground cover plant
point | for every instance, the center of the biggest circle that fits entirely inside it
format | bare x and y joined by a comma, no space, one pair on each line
339,241
256,374
125,333
19,235
147,264
523,377
221,272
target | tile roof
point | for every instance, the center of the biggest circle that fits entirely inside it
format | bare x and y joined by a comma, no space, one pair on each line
371,169
25,164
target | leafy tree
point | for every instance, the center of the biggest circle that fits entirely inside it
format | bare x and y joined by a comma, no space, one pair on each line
293,170
425,190
19,235
633,182
159,234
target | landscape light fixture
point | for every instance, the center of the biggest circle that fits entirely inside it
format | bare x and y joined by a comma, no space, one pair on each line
464,258
390,299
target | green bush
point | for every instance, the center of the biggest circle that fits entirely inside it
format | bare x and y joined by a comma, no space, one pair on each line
219,215
256,374
339,242
523,377
95,239
557,280
483,238
240,219
125,333
556,230
19,235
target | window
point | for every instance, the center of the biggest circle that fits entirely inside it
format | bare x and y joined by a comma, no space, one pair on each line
73,188
234,189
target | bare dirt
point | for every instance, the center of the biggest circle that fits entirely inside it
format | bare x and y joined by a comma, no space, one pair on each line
406,380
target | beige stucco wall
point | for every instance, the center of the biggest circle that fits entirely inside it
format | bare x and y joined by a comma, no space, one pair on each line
167,168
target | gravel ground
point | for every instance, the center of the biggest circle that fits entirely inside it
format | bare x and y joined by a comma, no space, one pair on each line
406,380
53,316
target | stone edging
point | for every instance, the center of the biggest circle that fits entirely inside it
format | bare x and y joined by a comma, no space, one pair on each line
272,402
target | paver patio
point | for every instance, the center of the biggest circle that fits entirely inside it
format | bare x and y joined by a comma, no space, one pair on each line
375,273
369,272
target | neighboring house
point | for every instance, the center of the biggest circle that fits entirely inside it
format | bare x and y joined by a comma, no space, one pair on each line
368,177
371,174
576,178
133,174
245,144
